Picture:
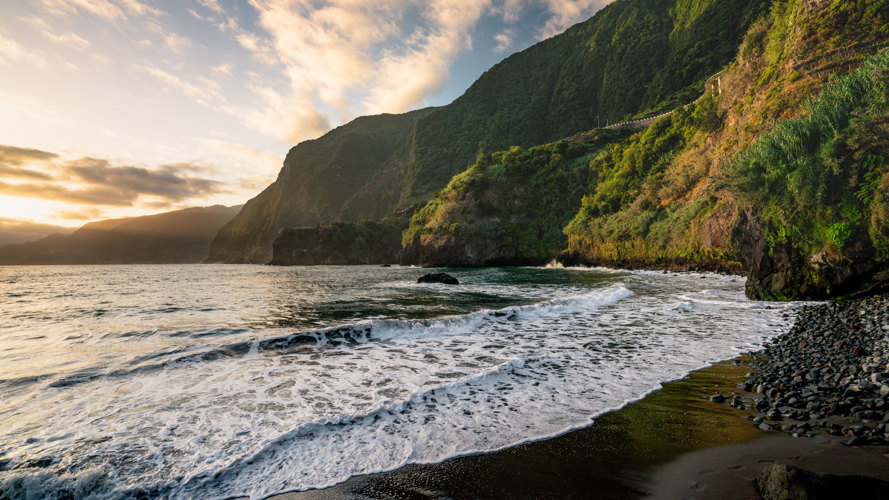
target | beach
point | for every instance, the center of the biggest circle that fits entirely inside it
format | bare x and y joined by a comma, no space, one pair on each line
677,442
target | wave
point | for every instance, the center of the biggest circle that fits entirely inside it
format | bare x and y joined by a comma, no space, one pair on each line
352,334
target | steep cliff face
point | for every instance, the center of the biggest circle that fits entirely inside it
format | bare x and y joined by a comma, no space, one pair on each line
317,184
508,208
774,172
339,243
180,237
816,187
634,56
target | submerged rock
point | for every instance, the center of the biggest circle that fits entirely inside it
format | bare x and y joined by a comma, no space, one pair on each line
444,278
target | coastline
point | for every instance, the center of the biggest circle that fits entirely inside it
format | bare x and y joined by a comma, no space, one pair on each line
673,443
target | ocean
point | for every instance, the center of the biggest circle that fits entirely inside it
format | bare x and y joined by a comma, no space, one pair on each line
213,381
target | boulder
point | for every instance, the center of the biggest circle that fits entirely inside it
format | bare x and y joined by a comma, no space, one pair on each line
785,482
444,278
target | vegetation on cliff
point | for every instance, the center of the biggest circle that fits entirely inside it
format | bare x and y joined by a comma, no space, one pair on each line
687,191
634,57
508,208
818,184
316,184
340,243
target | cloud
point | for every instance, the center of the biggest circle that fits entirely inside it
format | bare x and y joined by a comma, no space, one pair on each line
212,5
12,155
96,181
104,9
52,34
138,8
166,182
508,10
101,8
12,51
91,213
565,13
56,192
356,57
504,41
345,58
12,158
207,94
225,69
175,42
22,173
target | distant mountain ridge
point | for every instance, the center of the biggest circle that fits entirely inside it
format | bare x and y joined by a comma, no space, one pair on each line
181,236
634,57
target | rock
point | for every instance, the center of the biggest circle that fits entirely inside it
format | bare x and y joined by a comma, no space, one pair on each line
786,482
884,390
717,398
765,427
444,278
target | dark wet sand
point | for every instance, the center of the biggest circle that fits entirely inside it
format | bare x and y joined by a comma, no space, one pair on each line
673,444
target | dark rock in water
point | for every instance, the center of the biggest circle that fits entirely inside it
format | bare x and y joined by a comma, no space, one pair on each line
780,481
717,398
444,278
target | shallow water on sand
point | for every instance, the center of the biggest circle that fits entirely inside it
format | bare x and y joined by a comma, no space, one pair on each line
218,381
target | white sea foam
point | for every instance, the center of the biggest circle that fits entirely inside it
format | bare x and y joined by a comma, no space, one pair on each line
276,412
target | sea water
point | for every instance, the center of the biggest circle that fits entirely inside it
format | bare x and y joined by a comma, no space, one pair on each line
218,381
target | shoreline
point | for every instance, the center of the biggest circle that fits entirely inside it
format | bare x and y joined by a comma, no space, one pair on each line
676,442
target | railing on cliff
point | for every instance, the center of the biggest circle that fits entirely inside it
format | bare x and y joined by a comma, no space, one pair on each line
713,83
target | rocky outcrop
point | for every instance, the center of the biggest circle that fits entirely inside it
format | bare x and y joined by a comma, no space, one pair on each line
430,250
443,278
785,482
340,243
783,270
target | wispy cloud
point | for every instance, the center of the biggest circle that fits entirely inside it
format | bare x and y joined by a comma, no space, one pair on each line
504,41
104,9
14,52
63,38
101,8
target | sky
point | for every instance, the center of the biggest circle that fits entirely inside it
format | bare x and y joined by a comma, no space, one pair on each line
116,108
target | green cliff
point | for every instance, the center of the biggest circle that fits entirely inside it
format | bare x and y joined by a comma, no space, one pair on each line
777,172
508,208
340,243
635,57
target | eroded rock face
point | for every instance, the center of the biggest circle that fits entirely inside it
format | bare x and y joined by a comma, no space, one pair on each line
784,271
341,243
433,250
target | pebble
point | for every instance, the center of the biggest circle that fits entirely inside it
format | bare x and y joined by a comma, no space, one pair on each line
832,364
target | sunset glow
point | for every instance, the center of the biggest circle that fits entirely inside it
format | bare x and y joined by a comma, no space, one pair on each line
113,108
